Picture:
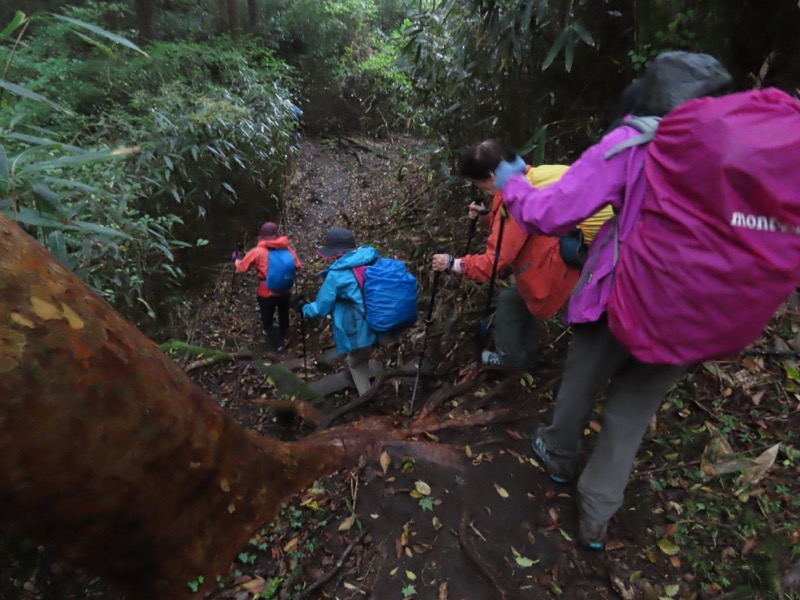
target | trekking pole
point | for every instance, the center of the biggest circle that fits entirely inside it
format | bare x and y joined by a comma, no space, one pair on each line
236,250
488,310
472,227
428,321
303,334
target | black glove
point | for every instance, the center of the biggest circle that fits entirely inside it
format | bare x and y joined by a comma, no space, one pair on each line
299,302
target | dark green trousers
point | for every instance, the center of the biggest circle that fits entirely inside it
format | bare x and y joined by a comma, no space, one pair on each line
515,331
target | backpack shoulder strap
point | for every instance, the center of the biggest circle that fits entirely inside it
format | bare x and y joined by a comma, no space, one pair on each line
646,126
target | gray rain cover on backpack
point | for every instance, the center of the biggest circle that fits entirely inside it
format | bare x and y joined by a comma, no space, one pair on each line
673,78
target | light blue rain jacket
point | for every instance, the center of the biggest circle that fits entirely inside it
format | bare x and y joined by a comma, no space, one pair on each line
341,296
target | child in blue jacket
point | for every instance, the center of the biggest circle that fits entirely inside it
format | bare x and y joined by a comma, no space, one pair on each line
341,297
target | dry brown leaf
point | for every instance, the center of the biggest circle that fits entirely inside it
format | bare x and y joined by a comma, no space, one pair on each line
255,586
422,488
758,468
501,490
386,461
347,523
292,544
515,435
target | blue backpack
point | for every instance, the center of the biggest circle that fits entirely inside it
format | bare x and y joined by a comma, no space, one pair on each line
280,271
390,295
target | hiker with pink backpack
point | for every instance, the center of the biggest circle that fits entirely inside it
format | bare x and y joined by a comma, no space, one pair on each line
705,246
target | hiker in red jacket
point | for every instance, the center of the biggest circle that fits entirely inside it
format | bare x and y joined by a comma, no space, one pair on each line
542,280
275,262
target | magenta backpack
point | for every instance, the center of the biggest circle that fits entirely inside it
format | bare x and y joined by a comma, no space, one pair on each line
716,249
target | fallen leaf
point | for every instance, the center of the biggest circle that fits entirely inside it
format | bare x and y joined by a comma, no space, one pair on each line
553,515
255,586
411,575
515,435
347,523
522,561
468,451
443,591
595,426
748,546
386,461
675,562
502,491
566,535
292,544
714,369
423,488
350,586
623,589
437,524
668,547
759,467
224,485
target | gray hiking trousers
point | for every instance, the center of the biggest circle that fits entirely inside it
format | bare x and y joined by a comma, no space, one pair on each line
358,362
515,331
634,393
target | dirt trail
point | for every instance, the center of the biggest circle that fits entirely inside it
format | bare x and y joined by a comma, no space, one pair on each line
462,514
471,518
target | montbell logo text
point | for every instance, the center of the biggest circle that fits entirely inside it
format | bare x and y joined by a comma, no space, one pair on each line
762,223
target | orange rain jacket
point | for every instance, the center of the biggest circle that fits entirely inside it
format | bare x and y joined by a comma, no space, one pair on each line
543,278
259,257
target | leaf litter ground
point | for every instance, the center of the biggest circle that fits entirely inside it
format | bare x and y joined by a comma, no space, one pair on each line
468,513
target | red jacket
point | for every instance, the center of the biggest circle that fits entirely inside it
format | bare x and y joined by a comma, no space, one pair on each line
543,279
259,257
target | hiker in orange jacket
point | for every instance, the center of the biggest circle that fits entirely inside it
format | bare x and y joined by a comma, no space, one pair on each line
275,287
542,280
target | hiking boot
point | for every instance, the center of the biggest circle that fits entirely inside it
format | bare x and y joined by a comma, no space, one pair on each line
591,533
491,358
561,470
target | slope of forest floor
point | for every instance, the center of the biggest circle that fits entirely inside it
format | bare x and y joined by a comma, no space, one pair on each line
467,513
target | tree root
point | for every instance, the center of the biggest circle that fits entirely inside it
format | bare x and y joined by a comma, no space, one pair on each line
339,564
473,556
213,360
301,410
471,380
368,397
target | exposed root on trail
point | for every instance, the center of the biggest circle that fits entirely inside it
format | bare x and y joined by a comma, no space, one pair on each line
319,583
214,360
471,380
445,455
299,409
368,397
473,555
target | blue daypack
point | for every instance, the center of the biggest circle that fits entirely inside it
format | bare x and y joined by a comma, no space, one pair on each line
390,295
280,270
